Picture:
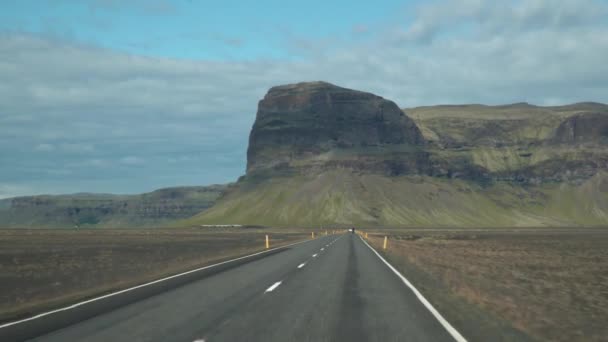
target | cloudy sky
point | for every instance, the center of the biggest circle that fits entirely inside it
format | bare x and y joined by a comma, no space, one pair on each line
129,96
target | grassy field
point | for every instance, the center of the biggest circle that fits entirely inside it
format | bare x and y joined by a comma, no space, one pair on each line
42,269
536,284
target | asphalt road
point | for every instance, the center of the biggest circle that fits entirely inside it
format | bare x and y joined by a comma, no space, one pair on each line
330,289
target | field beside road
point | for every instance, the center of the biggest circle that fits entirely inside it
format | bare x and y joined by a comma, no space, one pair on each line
44,269
533,284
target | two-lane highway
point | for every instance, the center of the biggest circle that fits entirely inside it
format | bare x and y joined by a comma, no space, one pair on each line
334,288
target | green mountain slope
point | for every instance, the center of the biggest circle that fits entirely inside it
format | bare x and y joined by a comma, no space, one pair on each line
345,198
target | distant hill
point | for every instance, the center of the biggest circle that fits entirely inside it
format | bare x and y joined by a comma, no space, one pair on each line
157,208
322,154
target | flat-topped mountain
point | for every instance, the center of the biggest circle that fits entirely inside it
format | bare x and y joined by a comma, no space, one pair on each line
300,122
320,154
507,125
520,142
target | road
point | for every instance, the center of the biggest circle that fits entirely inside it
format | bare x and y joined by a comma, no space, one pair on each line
334,288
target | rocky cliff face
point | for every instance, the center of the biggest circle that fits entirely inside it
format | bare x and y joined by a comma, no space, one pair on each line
588,127
519,143
300,122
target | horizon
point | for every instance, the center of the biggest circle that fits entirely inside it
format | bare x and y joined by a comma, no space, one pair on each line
108,97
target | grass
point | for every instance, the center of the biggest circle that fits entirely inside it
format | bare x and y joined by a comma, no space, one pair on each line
511,285
502,112
342,197
43,269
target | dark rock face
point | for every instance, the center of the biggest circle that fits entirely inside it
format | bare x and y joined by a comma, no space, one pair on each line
300,121
556,170
583,128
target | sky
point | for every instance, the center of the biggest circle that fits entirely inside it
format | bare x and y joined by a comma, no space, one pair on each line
120,96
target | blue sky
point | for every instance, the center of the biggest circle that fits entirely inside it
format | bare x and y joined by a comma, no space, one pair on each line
201,29
130,96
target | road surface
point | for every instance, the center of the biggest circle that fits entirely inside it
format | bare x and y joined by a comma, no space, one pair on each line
334,288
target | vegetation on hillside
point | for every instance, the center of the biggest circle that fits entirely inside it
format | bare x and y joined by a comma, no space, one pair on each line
342,197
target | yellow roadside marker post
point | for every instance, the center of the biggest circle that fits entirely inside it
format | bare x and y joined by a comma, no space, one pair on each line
366,235
385,242
326,232
313,235
267,242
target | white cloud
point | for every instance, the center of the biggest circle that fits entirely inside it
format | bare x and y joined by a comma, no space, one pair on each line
88,164
131,160
65,147
78,147
44,147
181,159
504,18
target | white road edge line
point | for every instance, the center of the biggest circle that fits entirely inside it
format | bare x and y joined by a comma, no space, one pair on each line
455,334
140,286
274,286
302,265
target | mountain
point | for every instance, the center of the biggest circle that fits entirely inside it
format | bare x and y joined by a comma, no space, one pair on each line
306,121
521,142
320,154
156,208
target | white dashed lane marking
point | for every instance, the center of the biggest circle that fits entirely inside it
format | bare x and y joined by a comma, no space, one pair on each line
273,287
302,265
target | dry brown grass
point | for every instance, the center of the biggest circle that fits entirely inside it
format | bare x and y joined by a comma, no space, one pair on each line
552,285
42,269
